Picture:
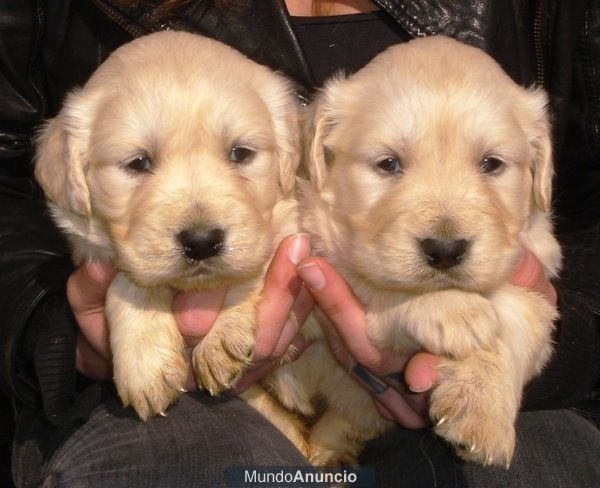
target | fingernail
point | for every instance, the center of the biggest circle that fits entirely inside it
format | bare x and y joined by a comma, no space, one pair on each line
420,389
312,275
299,248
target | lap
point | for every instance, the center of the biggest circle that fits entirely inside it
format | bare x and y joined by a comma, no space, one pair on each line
554,448
193,446
201,437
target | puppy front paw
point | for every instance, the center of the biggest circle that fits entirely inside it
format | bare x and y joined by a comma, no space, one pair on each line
475,417
222,357
330,455
452,322
149,367
151,379
469,328
335,440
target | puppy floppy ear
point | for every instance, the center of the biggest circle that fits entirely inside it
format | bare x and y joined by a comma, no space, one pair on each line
279,96
319,124
61,156
539,134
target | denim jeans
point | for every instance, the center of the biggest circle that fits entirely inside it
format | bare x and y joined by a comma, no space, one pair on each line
201,437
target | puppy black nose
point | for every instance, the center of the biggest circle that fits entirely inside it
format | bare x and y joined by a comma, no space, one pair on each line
444,254
199,244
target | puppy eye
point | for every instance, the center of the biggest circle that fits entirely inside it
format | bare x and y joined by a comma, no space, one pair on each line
490,164
390,165
141,164
240,154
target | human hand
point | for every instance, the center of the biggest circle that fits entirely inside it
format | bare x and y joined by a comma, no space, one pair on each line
86,294
529,274
375,369
276,328
196,312
404,399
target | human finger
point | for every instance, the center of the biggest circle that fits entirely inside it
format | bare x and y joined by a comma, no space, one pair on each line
415,382
394,403
421,373
89,363
302,308
291,344
528,273
196,312
346,313
281,289
259,371
87,285
86,294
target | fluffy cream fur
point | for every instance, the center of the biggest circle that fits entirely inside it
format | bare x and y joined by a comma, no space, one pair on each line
183,102
439,108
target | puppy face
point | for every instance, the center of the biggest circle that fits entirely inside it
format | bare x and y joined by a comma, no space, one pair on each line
430,160
177,149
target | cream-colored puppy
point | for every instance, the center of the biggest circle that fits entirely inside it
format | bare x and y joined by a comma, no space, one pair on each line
430,169
177,161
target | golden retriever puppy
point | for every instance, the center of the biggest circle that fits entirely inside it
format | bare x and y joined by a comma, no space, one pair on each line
429,170
177,161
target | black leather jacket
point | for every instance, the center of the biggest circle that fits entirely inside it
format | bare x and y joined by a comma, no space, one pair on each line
49,46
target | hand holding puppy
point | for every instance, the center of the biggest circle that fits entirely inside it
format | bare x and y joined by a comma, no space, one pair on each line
404,401
196,312
282,293
86,293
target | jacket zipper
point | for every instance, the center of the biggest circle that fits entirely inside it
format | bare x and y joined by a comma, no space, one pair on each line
409,23
589,79
119,19
538,42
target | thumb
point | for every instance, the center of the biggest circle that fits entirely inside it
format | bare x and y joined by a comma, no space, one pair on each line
528,273
196,312
87,285
421,372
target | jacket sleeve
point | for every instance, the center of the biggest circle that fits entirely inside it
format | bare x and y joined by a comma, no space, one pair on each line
37,330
